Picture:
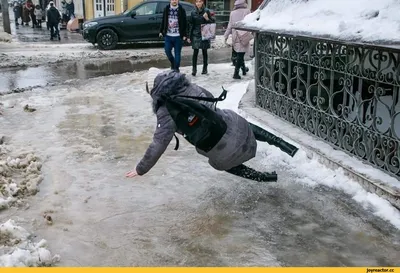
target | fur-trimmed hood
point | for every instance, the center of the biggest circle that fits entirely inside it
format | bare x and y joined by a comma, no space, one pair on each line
167,83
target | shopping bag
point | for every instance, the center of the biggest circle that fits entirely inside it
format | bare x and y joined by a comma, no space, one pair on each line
208,31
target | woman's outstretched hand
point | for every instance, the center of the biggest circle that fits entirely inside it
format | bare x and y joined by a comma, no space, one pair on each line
131,173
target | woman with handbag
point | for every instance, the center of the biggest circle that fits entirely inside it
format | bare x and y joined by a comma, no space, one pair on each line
200,16
240,39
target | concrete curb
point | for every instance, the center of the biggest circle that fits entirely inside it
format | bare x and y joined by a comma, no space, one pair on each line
299,137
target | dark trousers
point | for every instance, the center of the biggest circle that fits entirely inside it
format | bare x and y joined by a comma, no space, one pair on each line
194,59
239,62
176,43
233,57
33,17
54,32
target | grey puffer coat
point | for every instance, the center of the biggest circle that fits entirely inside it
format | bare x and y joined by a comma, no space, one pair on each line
237,146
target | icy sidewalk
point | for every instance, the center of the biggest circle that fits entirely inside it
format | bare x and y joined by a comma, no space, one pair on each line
182,213
370,178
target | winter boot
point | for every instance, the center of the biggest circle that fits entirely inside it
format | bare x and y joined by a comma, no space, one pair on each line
236,74
205,62
194,64
249,173
194,70
245,70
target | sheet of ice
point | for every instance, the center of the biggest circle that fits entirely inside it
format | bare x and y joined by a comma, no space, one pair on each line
363,20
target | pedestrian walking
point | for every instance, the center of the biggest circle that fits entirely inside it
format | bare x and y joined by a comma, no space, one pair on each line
240,39
174,30
53,19
198,17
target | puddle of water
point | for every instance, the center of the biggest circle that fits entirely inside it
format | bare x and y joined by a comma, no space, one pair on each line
92,127
14,78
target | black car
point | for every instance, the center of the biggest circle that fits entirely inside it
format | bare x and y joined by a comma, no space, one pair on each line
138,24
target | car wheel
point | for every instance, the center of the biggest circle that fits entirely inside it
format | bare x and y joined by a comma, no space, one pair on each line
107,39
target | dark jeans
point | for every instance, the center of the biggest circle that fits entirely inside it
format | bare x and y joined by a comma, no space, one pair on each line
54,32
176,43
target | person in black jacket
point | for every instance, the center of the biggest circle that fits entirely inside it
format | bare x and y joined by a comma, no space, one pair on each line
201,15
17,13
174,28
53,19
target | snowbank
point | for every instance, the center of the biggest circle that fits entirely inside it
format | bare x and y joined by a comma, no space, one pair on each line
20,175
4,36
37,56
17,54
362,20
18,249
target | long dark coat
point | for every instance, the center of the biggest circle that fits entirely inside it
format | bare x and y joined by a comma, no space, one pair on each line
196,20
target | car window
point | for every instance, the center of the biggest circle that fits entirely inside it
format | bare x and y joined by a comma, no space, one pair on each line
147,9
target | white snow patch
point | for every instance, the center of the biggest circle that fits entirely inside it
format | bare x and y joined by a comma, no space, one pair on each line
18,250
4,36
40,56
365,20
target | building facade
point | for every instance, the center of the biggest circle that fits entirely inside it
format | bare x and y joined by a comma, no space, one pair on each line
101,8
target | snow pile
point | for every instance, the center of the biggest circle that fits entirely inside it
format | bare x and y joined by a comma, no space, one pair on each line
20,175
18,249
363,20
40,56
4,36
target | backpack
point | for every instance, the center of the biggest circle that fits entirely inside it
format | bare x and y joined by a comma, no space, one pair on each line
200,125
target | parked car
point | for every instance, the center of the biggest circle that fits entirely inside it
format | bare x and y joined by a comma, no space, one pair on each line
138,24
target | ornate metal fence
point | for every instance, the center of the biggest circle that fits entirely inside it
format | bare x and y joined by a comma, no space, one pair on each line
345,94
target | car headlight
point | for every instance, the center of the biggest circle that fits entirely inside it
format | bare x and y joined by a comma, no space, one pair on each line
89,24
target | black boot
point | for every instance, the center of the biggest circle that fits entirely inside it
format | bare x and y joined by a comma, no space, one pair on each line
262,135
249,173
236,74
194,63
244,70
205,62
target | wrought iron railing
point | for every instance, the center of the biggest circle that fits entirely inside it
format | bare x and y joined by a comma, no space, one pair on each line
345,94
